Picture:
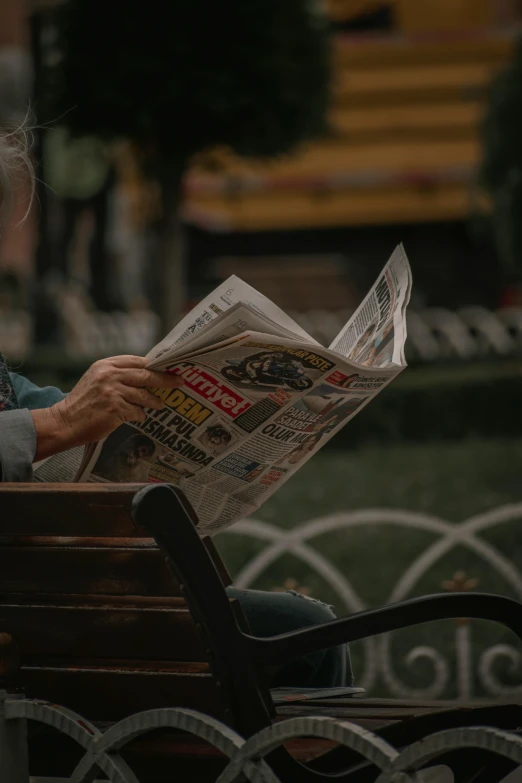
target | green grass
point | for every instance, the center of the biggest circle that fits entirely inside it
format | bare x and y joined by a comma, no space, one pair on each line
452,480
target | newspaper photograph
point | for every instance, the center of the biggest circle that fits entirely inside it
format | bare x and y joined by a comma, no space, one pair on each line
259,397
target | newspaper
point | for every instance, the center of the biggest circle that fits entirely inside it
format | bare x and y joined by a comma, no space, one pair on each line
376,333
259,397
232,292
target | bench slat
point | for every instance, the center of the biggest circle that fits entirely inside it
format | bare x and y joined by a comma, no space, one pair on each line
58,509
91,599
99,570
112,694
79,542
112,571
69,632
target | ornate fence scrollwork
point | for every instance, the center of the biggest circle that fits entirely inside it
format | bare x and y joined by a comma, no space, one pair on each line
378,660
247,757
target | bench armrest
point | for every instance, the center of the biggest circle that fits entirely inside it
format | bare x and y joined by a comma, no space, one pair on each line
164,510
444,606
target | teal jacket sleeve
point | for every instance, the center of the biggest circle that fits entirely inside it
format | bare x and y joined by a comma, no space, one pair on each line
31,396
17,433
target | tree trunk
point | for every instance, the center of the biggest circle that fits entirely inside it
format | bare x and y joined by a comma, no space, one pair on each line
45,317
171,262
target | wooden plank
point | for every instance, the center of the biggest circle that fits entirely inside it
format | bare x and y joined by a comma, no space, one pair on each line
124,666
133,570
394,84
373,702
432,16
345,712
356,207
103,632
438,713
117,571
92,599
342,10
67,510
430,120
109,543
92,542
34,514
378,51
112,694
338,158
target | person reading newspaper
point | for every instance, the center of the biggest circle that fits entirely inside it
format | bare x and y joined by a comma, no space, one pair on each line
231,403
224,410
38,423
234,400
258,398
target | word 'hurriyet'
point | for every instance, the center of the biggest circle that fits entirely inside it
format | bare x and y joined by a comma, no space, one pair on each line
211,389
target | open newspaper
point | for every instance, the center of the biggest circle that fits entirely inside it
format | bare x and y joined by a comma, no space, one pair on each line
260,397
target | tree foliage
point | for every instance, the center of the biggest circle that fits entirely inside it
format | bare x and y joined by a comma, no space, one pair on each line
184,75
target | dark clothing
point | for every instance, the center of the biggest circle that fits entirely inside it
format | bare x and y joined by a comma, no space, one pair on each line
8,400
269,614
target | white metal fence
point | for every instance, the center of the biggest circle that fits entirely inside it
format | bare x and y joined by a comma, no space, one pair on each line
433,334
246,758
487,666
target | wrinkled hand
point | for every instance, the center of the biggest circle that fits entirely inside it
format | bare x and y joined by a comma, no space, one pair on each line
110,393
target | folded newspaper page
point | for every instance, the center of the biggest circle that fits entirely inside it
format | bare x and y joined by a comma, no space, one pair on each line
259,398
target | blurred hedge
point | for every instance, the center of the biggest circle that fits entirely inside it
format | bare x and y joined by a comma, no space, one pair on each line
439,403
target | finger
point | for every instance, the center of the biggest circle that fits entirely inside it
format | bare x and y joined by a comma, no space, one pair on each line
132,412
128,361
141,397
150,378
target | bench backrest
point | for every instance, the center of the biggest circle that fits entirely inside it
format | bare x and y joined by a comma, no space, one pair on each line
95,609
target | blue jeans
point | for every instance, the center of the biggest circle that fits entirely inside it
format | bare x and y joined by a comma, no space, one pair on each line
269,614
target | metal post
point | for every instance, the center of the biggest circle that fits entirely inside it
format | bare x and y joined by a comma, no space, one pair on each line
14,757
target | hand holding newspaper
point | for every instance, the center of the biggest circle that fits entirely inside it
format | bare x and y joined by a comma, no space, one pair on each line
260,397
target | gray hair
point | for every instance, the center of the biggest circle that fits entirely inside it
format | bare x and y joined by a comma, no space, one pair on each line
16,167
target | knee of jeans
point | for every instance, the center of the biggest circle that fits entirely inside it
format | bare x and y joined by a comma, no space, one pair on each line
318,611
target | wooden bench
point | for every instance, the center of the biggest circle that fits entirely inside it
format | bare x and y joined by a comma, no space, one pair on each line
114,605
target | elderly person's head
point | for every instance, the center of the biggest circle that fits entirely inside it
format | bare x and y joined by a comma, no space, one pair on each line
112,391
15,167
